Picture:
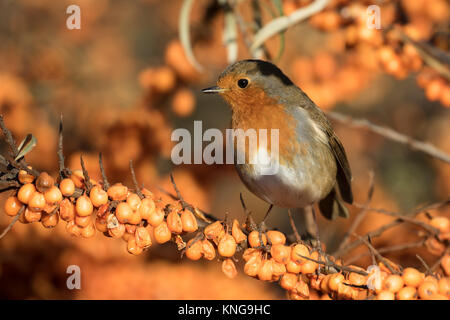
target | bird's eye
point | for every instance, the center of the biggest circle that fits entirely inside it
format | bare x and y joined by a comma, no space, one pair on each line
242,83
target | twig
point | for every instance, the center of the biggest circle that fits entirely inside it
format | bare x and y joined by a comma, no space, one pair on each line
87,180
330,263
376,253
282,23
133,177
11,224
63,171
294,228
427,268
9,138
438,262
391,134
102,171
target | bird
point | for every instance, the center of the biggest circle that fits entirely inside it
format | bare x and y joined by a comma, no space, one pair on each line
312,166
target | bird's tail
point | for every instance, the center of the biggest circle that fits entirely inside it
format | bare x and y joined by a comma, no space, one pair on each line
332,206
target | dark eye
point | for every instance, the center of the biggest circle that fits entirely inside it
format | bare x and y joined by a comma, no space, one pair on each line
242,83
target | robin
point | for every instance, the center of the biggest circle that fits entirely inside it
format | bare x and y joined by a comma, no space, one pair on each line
312,164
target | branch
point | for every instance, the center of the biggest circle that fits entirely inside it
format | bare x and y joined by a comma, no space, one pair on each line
391,134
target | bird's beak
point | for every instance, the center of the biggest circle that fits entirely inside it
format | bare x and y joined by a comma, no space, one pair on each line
214,89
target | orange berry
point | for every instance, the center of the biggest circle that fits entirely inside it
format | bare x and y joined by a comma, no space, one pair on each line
266,271
164,79
44,182
88,231
194,249
100,224
73,229
252,266
156,217
183,102
302,288
115,229
83,222
293,267
229,268
427,289
118,192
344,291
130,228
393,283
50,220
26,192
227,246
299,251
98,196
441,223
309,266
434,89
385,295
237,233
335,280
276,237
37,201
77,178
435,246
12,206
289,281
146,208
174,222
32,216
214,231
208,251
67,187
412,277
278,269
437,296
162,233
142,237
25,177
251,252
445,264
444,286
66,210
133,247
407,293
84,206
445,96
125,214
134,201
53,195
281,253
255,238
188,221
356,278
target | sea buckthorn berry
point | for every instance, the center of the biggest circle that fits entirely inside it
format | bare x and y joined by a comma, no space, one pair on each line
130,228
445,264
78,178
309,266
188,221
32,215
142,237
194,249
161,233
25,177
118,192
278,269
25,192
289,281
174,222
66,210
84,206
252,266
83,222
125,214
434,246
302,288
393,283
315,280
134,201
147,193
50,220
44,182
146,209
385,295
281,253
229,268
237,233
100,224
209,253
251,252
73,229
254,239
407,293
67,187
133,248
437,296
266,271
293,267
98,196
441,223
127,236
156,217
12,206
276,237
412,277
214,231
50,208
335,280
88,231
356,278
444,286
427,289
227,246
118,231
299,251
37,202
53,195
324,284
